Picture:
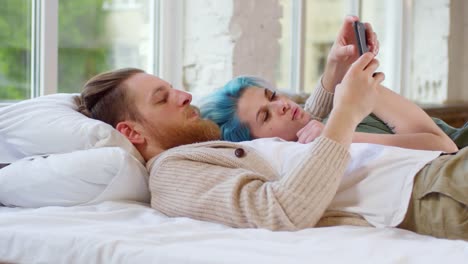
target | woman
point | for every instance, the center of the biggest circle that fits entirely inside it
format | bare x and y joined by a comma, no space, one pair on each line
432,201
387,186
247,108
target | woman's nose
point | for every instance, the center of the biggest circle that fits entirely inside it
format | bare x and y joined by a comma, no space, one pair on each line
280,106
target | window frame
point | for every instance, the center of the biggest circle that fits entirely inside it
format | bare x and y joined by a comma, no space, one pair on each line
171,34
296,72
45,73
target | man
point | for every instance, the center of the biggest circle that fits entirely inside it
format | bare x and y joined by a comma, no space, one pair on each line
147,110
235,184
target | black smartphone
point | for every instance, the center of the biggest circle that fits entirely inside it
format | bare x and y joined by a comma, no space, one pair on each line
360,32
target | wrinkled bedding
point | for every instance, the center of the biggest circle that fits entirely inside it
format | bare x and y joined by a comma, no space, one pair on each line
129,232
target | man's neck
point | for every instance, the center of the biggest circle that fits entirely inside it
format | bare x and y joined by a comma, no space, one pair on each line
149,152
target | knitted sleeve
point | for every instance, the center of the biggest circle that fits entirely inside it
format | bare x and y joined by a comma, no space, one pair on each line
320,102
212,184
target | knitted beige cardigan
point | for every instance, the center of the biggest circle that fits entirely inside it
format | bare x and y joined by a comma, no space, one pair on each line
208,181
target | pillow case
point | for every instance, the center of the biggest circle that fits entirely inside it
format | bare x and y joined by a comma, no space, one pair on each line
51,124
8,153
76,178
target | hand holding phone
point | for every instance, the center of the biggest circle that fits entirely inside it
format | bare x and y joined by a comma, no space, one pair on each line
360,32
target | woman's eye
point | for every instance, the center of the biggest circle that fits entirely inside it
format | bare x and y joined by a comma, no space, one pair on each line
161,100
270,95
266,116
273,96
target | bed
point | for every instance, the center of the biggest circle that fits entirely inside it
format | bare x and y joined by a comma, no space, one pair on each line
76,192
129,232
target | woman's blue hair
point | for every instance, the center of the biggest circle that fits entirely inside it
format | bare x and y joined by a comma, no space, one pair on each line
221,107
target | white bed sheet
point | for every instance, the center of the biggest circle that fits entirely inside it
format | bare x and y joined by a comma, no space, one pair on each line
125,232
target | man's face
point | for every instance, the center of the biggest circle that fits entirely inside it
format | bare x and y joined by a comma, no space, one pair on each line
167,119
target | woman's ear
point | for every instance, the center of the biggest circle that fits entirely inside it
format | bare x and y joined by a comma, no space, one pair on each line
127,129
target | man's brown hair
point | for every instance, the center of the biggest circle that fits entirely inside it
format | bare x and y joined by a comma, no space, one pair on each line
104,97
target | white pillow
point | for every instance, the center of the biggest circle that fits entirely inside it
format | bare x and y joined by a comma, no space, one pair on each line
50,124
76,178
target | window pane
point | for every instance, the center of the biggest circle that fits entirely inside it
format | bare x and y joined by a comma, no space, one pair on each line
429,52
15,49
322,22
385,17
427,72
283,69
101,35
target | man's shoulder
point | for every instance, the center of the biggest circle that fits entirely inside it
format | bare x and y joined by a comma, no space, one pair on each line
207,144
201,150
220,153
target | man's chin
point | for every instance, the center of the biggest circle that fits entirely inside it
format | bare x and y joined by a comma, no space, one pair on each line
209,129
201,130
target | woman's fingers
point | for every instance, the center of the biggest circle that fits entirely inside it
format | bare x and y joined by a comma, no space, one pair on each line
371,38
309,132
363,61
379,77
345,51
372,66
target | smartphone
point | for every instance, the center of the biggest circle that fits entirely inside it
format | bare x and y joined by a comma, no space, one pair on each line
360,32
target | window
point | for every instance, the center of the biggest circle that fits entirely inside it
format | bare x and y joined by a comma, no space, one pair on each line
96,36
386,17
409,71
15,49
50,46
283,72
427,36
309,28
419,71
323,19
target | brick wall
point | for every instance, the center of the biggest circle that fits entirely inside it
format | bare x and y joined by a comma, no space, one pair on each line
227,38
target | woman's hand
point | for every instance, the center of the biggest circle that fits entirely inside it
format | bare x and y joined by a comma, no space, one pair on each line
309,132
344,52
358,91
354,99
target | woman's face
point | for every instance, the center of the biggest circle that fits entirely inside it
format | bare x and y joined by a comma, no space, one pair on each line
268,114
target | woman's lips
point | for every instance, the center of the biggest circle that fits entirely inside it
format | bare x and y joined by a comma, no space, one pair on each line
295,112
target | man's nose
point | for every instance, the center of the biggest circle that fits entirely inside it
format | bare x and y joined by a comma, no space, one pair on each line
183,98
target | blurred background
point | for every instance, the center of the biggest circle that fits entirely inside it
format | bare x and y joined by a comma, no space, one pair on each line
54,46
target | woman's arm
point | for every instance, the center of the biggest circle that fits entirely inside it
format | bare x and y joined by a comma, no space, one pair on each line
413,128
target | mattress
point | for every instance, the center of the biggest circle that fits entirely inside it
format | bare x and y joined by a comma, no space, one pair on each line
129,232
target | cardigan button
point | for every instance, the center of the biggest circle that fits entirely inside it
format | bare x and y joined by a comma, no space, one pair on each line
239,152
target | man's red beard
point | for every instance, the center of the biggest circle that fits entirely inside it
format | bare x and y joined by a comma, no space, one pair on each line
199,130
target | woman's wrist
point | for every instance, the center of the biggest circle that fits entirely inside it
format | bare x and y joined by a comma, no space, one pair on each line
341,125
332,75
